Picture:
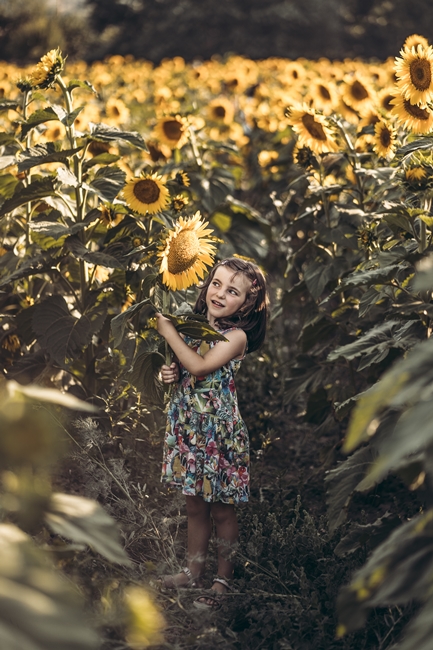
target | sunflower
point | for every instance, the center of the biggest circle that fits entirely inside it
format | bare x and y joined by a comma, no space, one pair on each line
414,73
45,73
221,110
358,93
146,194
179,202
186,253
311,129
414,40
384,99
323,95
415,178
182,179
410,116
171,131
384,139
116,111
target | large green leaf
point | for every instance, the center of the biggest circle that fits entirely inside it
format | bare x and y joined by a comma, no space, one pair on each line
367,535
36,118
398,571
106,133
375,344
101,159
108,182
342,482
120,322
36,190
402,384
62,335
39,264
144,375
38,608
44,153
78,250
84,520
196,329
379,275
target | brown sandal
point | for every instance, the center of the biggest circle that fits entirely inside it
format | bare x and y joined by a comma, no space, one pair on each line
212,601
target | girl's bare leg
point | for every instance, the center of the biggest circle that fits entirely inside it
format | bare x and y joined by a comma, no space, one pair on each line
227,533
199,532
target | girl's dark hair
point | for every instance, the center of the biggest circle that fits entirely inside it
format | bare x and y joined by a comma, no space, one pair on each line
252,316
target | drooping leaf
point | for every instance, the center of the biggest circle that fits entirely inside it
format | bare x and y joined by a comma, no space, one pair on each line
74,245
376,343
37,190
101,159
51,395
8,185
380,275
62,335
398,571
41,263
196,329
404,382
367,535
106,133
38,117
84,520
28,367
144,375
38,609
108,182
342,482
78,83
120,322
44,153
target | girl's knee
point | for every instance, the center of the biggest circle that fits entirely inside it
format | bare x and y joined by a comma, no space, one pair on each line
223,513
196,506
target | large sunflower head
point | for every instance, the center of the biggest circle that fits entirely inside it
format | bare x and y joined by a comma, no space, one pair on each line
384,139
358,93
171,131
186,253
411,116
312,130
414,73
146,194
45,73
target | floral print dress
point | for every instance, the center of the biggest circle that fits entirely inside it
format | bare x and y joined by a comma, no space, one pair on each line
206,446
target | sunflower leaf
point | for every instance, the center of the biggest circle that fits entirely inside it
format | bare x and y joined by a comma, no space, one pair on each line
119,323
144,375
101,159
108,182
36,190
105,133
44,153
83,520
77,248
36,118
196,329
77,83
8,104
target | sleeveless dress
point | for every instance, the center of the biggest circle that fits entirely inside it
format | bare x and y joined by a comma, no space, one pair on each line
206,445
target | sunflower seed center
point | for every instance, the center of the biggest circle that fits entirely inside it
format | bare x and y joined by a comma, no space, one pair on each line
416,111
359,91
385,137
324,92
219,111
314,128
420,74
146,191
172,129
184,251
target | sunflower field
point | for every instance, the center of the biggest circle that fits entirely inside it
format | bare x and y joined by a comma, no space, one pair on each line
121,183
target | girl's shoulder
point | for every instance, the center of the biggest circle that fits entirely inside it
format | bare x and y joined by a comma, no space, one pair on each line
239,335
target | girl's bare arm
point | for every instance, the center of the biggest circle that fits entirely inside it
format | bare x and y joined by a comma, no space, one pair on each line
217,356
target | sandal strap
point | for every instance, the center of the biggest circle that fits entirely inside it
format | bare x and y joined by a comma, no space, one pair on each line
187,572
222,581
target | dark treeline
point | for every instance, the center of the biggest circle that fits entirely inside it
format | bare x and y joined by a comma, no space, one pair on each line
156,29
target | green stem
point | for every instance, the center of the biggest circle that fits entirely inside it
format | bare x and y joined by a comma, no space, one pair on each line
423,230
165,309
194,147
27,179
325,199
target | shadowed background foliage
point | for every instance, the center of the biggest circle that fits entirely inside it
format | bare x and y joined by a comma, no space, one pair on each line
155,29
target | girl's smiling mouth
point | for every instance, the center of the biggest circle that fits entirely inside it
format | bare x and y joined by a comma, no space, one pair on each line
216,303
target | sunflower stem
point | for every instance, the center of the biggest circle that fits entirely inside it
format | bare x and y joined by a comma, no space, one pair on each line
165,309
27,174
423,229
194,147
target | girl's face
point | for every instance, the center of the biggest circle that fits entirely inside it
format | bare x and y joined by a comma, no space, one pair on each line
226,293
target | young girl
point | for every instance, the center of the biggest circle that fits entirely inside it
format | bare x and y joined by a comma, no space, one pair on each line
206,450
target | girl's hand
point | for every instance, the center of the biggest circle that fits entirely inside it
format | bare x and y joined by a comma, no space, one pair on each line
170,374
163,325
